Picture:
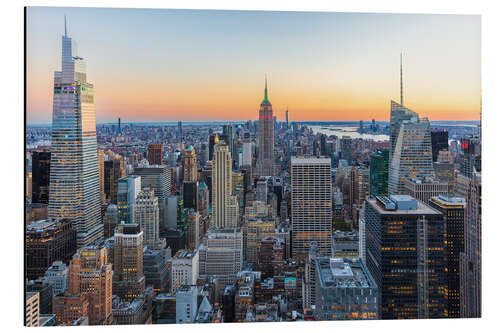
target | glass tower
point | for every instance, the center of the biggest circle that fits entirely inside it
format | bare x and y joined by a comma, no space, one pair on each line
74,177
411,149
379,172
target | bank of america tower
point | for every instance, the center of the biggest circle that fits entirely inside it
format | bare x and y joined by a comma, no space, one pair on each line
74,177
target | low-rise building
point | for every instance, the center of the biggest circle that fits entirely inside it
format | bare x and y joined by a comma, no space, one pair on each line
344,290
185,269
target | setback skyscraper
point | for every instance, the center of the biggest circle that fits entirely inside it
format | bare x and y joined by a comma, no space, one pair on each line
74,177
410,152
265,162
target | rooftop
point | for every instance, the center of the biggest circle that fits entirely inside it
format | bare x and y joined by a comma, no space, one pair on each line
43,225
395,207
343,273
426,180
184,254
449,201
311,160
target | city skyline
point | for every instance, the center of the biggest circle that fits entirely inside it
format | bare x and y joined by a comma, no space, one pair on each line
263,220
330,66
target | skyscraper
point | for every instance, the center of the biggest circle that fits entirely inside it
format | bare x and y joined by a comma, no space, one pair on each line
410,152
128,189
147,216
379,173
159,179
90,275
40,178
221,185
265,162
439,140
470,261
471,148
128,278
155,154
74,177
311,205
453,210
346,149
405,256
114,169
193,230
179,128
190,165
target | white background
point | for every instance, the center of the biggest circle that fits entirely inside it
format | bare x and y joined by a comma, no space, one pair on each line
12,159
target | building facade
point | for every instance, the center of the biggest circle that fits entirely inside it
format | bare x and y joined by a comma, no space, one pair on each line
128,278
345,290
311,205
453,210
40,176
405,255
90,275
74,190
379,173
128,189
48,241
159,179
155,154
185,269
221,186
147,216
411,149
190,165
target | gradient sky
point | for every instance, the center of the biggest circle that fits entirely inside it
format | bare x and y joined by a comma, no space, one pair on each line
169,65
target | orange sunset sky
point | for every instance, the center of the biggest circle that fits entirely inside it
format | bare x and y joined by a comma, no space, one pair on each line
169,65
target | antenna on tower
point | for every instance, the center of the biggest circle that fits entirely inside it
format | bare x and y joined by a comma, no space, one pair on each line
401,76
265,92
65,30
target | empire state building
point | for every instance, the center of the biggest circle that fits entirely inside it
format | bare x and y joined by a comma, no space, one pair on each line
265,161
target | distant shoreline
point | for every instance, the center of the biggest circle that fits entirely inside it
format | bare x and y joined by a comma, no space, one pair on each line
339,123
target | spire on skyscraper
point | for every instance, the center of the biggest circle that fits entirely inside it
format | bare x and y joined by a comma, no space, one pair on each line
265,93
401,76
65,29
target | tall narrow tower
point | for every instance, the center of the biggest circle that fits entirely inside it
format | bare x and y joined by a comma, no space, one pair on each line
265,162
221,186
410,152
190,165
74,177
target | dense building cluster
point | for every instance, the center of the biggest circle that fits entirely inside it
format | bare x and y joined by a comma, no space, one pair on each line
252,221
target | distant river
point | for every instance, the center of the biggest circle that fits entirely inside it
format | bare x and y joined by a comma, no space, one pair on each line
346,131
